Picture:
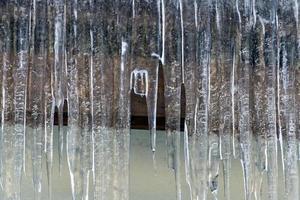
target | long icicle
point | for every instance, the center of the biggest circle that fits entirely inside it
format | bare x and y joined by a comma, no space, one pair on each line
189,16
21,21
259,108
58,71
9,179
246,24
73,140
214,105
288,63
144,57
36,97
172,68
270,59
49,104
102,95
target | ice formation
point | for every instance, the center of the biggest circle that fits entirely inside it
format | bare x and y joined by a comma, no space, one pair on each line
235,61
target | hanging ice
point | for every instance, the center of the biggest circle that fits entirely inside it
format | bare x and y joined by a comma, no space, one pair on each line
144,53
172,68
234,63
14,87
59,68
289,61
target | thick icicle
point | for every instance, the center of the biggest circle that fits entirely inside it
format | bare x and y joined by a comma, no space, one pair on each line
172,85
59,68
102,95
267,11
14,85
214,106
2,53
259,108
110,40
84,89
79,141
49,103
288,63
9,179
121,118
36,104
225,26
246,24
145,53
197,144
189,18
21,21
73,139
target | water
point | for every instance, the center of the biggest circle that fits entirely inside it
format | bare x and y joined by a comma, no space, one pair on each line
236,62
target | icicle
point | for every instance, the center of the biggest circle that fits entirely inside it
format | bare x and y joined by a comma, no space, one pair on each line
144,54
172,77
246,24
21,37
2,57
84,90
297,85
58,75
269,33
102,95
214,106
9,180
259,109
213,163
225,26
73,139
189,16
110,99
36,104
121,119
49,103
288,63
197,144
297,75
14,85
79,148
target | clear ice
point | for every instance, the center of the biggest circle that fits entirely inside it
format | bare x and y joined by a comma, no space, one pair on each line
230,70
